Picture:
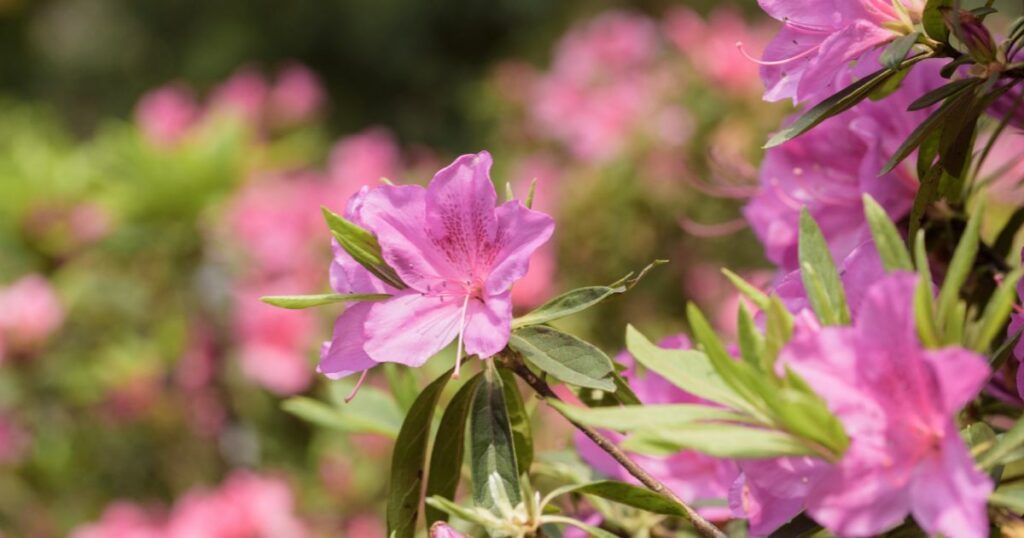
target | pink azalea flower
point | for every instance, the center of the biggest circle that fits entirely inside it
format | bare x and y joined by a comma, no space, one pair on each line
828,169
297,95
818,41
245,95
274,342
443,530
123,519
459,256
862,268
166,114
30,312
362,159
898,403
246,504
693,476
710,45
769,493
14,441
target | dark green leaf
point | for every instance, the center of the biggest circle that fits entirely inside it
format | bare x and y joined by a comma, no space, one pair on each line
819,275
297,302
381,417
362,246
891,247
623,392
519,421
564,357
943,92
926,154
894,54
927,193
492,449
924,129
634,496
841,101
408,461
953,67
449,447
933,22
958,129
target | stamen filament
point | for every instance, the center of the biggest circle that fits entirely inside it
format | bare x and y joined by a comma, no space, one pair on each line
462,330
355,389
808,52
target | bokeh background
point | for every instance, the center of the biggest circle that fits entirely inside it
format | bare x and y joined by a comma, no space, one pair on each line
162,165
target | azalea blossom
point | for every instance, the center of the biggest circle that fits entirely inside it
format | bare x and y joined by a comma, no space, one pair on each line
693,476
166,114
897,402
30,311
457,254
828,169
819,40
443,530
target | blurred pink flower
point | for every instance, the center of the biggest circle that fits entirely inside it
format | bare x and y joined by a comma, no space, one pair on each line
458,254
818,41
30,312
14,440
123,519
898,402
245,505
297,96
828,169
245,94
710,45
443,530
691,475
365,525
1003,170
275,343
362,159
539,283
166,114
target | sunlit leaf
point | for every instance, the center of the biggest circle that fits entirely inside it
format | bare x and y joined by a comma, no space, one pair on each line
492,449
296,302
449,446
565,357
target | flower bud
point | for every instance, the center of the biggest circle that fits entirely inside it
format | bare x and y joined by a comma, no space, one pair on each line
970,30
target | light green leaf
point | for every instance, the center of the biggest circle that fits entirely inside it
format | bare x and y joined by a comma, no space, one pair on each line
719,440
959,267
891,247
297,302
751,343
778,331
894,54
749,290
631,418
592,531
362,246
933,22
819,274
408,461
373,411
449,446
567,304
629,495
492,448
1006,444
565,357
997,311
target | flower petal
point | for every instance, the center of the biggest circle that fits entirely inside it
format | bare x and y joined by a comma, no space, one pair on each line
887,313
834,56
344,354
397,216
948,493
410,327
960,373
460,213
488,324
521,231
859,500
765,512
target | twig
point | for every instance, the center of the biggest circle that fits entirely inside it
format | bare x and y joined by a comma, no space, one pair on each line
703,526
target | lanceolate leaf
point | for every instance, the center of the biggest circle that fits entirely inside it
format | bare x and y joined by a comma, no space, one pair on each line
924,305
819,274
960,265
943,92
997,311
933,22
449,447
924,129
408,461
749,290
719,440
296,302
518,421
927,193
373,412
629,495
565,357
1006,444
567,304
492,448
891,247
841,101
631,418
898,49
362,246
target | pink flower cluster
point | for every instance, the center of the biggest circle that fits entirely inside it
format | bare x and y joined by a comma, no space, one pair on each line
709,43
276,219
168,114
244,505
30,312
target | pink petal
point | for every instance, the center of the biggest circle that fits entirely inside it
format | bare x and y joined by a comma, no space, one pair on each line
521,231
344,354
488,324
858,500
460,212
887,313
781,81
960,373
835,55
397,216
411,327
348,276
765,512
948,493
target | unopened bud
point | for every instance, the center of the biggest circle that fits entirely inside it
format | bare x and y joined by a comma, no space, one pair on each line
970,30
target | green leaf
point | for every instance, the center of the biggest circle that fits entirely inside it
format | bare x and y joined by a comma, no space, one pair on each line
751,343
1012,498
519,421
926,154
630,495
923,130
449,446
749,290
997,311
840,102
891,247
778,331
802,412
927,193
933,22
960,266
746,381
492,448
943,92
894,54
362,246
567,304
1006,444
408,461
687,369
374,411
819,274
565,357
924,305
592,531
958,129
297,302
623,392
402,384
632,418
719,440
